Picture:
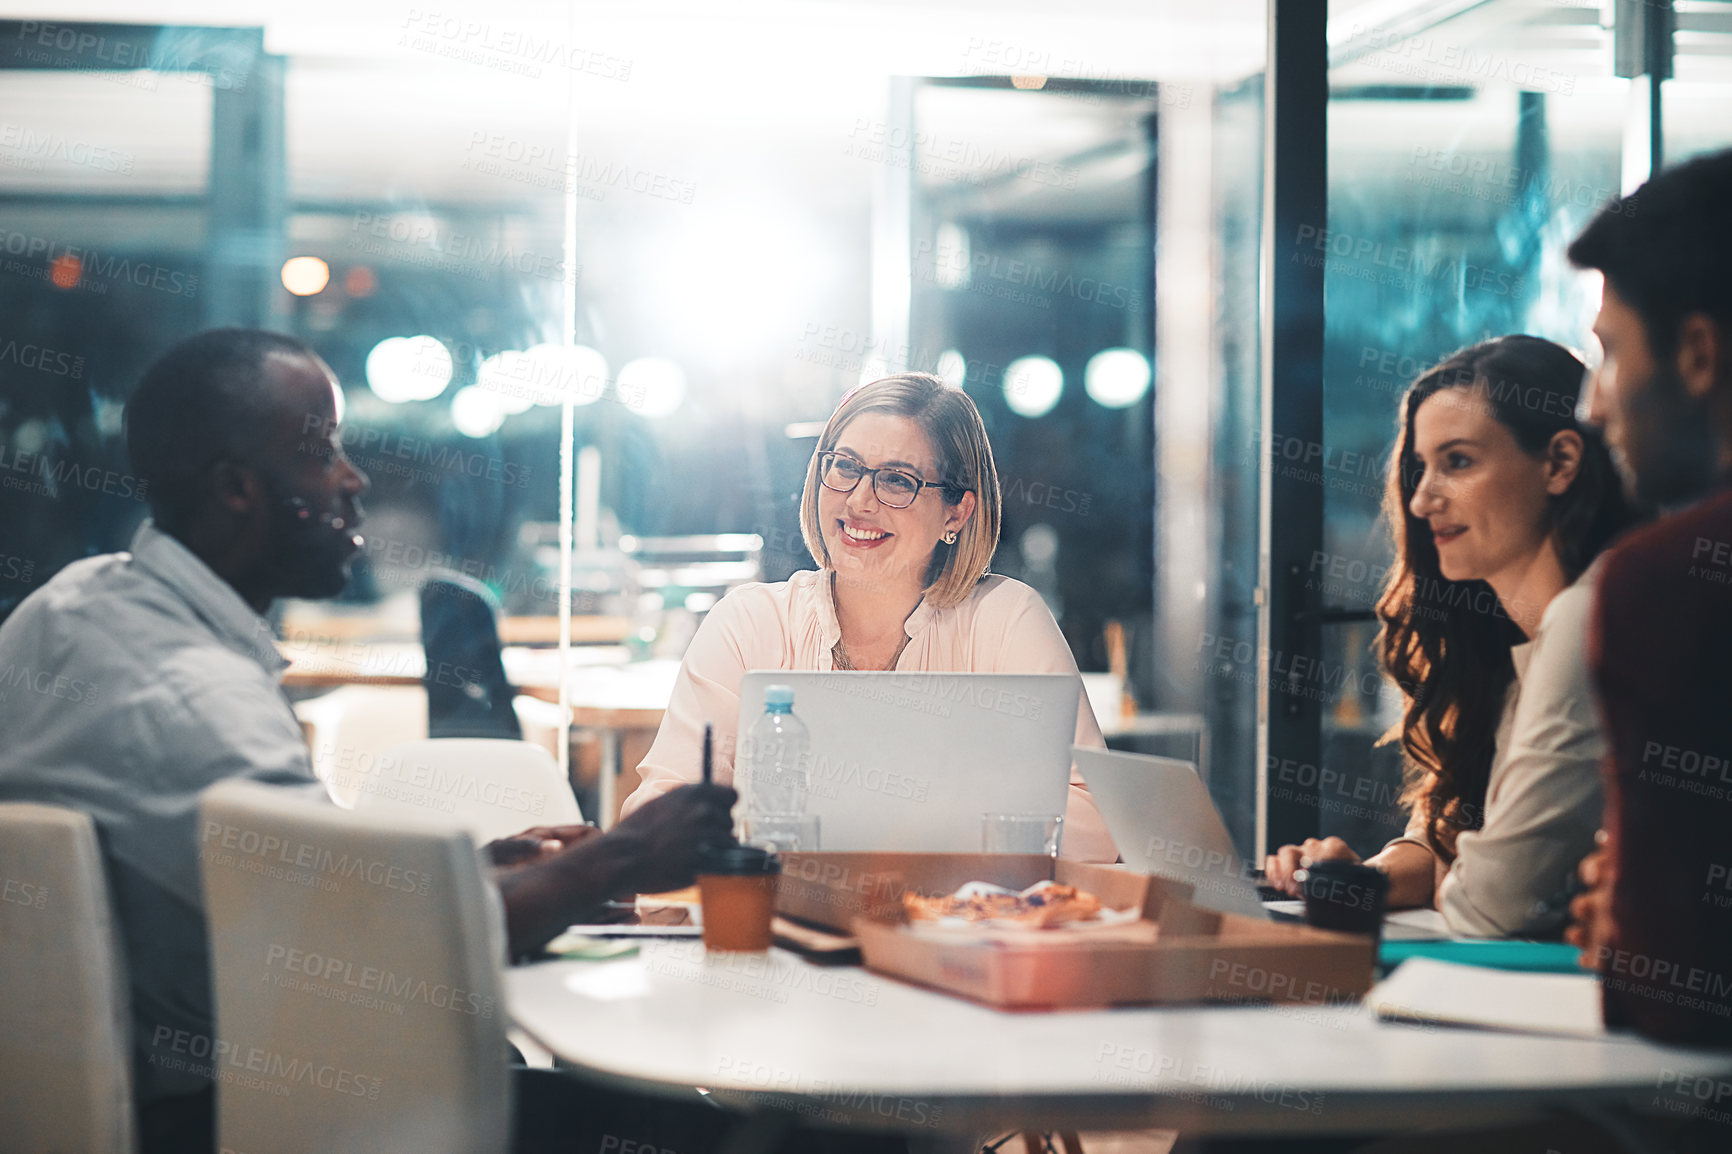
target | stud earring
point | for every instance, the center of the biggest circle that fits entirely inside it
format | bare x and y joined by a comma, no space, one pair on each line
950,537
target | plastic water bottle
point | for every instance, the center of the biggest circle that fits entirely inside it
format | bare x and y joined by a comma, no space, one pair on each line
779,764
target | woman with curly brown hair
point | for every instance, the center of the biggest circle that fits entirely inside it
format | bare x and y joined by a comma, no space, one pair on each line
1499,501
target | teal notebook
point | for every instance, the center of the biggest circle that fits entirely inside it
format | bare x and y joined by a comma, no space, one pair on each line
1532,957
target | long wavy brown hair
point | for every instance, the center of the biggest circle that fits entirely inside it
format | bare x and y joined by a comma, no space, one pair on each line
1445,643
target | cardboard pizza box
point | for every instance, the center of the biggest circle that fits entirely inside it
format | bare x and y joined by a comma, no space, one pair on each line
1171,952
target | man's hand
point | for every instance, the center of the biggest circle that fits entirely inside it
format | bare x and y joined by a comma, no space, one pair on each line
661,839
652,850
1591,913
536,844
1279,867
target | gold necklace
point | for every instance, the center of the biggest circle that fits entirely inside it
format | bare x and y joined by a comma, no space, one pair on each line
840,660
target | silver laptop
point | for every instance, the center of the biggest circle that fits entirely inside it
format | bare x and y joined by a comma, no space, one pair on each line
910,761
1165,823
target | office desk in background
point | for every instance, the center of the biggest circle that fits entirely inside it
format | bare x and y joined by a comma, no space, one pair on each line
607,696
841,1041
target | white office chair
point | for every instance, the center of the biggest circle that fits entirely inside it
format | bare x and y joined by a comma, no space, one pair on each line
65,1063
350,727
356,966
492,787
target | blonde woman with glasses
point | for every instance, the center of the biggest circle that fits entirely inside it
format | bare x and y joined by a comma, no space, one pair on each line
901,513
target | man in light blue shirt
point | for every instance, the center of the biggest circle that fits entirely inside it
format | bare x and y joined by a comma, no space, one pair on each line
131,682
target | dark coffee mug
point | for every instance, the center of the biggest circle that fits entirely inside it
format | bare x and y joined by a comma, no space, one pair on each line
1346,896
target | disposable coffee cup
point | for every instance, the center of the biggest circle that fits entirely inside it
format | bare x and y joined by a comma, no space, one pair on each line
737,888
1344,896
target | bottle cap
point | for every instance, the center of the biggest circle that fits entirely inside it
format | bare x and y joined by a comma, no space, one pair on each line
778,695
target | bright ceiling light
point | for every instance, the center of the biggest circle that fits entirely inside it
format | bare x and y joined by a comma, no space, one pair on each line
1117,378
476,411
557,372
401,369
652,387
951,368
306,275
738,268
1032,385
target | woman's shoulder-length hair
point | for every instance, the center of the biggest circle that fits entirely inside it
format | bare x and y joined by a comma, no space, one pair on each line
964,461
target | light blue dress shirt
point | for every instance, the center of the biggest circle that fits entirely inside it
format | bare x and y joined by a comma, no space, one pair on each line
128,684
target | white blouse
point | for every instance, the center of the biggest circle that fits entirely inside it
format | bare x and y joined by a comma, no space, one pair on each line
1001,627
1543,798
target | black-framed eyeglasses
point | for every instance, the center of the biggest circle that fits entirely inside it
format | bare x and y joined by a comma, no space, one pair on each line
896,488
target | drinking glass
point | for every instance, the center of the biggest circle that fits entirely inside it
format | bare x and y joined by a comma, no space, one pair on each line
783,832
1021,833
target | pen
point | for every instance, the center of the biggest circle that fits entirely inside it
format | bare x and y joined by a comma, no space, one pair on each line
707,754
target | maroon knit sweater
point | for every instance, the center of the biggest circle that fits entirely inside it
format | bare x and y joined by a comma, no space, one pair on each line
1661,657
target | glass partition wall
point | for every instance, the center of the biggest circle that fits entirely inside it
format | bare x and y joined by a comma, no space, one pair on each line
700,237
1464,155
703,240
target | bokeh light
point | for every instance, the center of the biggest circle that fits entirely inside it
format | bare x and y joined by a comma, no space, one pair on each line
951,368
557,372
306,276
1033,385
1117,378
652,387
476,412
508,378
65,271
401,369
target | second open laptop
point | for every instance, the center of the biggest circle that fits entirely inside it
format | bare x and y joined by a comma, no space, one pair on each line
911,761
1164,822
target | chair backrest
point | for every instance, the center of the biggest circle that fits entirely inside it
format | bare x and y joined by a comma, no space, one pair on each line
65,1059
492,788
351,726
467,692
356,968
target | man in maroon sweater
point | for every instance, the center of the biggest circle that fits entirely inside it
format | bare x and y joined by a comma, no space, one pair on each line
1657,922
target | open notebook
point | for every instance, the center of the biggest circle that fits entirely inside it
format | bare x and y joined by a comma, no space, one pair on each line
1447,993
